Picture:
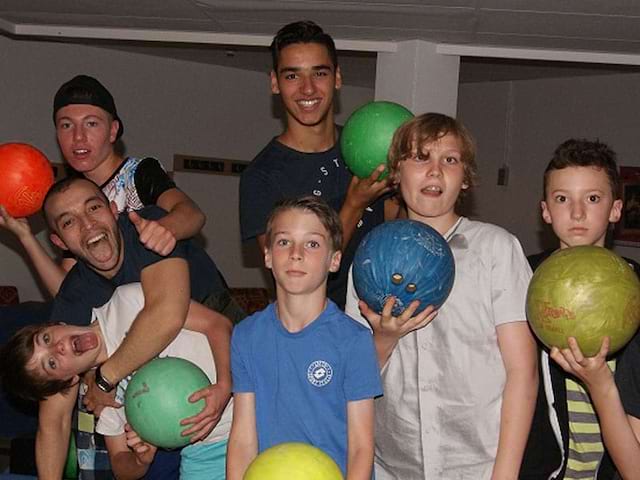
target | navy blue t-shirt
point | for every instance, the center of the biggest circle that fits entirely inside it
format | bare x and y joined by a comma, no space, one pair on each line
83,289
279,172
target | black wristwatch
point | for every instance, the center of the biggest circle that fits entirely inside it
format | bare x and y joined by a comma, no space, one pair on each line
102,383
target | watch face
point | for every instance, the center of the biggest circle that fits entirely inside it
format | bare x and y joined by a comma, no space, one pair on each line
102,383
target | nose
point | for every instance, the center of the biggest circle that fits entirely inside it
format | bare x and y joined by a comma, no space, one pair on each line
60,347
434,169
577,211
78,132
308,87
296,252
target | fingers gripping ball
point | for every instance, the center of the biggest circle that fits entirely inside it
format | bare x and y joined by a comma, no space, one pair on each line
587,293
366,137
293,461
157,399
27,175
405,259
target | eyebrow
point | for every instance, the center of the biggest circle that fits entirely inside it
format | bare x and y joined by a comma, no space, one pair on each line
89,200
298,69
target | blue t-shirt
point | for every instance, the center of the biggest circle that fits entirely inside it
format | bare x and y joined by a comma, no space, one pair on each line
83,289
303,381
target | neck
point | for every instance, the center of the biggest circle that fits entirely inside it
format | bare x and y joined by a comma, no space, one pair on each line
306,139
440,224
298,311
102,354
103,172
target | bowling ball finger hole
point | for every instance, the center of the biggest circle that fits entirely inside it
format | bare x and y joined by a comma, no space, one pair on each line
397,278
411,288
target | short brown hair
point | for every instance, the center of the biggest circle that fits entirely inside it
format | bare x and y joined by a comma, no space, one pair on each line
310,203
585,153
16,377
427,128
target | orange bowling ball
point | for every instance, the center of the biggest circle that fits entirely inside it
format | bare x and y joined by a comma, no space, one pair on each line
25,177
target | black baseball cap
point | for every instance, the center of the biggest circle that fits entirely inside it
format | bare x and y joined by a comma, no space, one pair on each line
86,90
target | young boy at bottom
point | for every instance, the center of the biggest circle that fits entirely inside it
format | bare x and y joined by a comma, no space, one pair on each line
302,370
42,360
568,439
460,389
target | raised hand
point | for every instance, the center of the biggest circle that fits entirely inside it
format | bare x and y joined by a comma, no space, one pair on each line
153,235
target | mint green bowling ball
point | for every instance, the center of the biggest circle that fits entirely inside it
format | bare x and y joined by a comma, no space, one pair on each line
293,461
584,292
157,399
367,134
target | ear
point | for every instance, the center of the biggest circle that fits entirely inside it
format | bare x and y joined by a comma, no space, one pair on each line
334,266
616,211
338,78
546,215
275,88
267,258
114,208
57,241
113,132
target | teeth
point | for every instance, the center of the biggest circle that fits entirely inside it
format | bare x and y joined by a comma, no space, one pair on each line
81,151
95,239
308,103
433,188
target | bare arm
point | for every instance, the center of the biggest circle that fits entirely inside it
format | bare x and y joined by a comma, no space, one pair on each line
518,350
620,432
183,221
129,456
360,421
243,439
52,438
217,328
360,194
50,273
166,295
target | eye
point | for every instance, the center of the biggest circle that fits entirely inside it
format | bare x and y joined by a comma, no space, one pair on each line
66,223
291,76
450,160
560,198
92,123
313,244
321,73
46,338
594,198
52,363
64,125
95,206
282,242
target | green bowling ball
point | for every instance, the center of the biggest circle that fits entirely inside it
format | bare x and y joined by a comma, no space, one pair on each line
367,134
293,461
157,399
584,292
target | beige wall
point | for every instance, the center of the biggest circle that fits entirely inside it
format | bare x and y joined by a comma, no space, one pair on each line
168,106
520,123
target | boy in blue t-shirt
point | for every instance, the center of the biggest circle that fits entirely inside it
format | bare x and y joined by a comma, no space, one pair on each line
302,370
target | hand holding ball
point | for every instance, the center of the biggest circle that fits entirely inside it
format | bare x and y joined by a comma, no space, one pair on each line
26,178
367,134
584,292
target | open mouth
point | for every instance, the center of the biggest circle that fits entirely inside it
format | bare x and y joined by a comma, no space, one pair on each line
432,190
94,241
83,343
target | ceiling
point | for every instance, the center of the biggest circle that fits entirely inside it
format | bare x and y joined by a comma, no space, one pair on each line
498,39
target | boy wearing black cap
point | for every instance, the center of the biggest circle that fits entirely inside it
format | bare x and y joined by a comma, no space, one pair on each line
87,128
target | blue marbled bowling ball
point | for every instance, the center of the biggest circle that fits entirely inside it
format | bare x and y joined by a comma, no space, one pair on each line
405,259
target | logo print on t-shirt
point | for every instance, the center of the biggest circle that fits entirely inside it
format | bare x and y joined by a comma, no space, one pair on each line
319,373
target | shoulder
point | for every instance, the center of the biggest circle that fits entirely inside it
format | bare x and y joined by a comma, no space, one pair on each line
255,324
343,325
536,259
486,233
633,264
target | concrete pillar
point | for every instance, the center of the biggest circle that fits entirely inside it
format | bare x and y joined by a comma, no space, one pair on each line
419,78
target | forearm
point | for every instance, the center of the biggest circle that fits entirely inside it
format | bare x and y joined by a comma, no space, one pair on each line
350,215
184,220
384,348
518,404
239,456
126,466
617,433
151,332
360,463
50,273
219,337
52,438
